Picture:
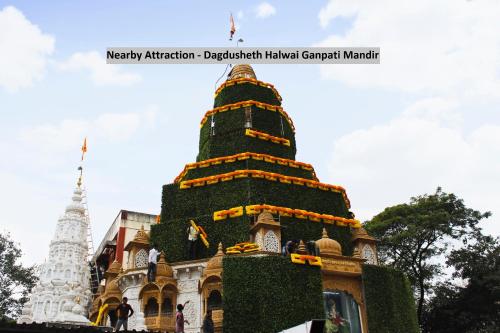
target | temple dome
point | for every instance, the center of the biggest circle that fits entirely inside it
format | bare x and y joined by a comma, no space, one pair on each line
162,268
265,217
241,71
328,246
216,261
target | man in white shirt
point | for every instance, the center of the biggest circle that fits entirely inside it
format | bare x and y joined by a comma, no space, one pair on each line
153,259
192,238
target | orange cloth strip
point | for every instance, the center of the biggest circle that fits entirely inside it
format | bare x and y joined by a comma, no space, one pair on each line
236,106
264,174
267,137
244,156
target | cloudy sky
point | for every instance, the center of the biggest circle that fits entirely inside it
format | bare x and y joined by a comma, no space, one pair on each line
427,116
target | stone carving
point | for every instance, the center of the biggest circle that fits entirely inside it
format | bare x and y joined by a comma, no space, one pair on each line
188,285
258,240
271,242
368,254
141,259
63,291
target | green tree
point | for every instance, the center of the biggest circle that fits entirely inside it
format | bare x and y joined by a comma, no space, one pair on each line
413,235
475,306
16,281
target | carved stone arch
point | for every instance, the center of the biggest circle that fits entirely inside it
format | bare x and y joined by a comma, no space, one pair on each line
168,298
211,279
149,288
111,300
170,286
352,286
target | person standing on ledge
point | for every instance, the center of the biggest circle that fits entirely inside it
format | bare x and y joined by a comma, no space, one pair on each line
152,260
208,323
192,238
179,318
124,311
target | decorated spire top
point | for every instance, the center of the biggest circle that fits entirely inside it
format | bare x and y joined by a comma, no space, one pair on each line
241,71
76,205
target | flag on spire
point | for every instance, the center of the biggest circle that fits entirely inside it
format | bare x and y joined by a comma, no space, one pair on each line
232,29
84,147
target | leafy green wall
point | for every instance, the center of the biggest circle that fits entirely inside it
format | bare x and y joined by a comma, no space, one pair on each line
389,301
245,91
199,203
248,164
269,294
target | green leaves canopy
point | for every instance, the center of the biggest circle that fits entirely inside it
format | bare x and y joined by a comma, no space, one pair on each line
16,281
412,234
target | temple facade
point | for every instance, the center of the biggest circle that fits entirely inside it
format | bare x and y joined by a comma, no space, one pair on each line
63,291
200,281
250,197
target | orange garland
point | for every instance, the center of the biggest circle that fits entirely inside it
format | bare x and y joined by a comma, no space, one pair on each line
267,137
247,80
245,156
236,106
267,175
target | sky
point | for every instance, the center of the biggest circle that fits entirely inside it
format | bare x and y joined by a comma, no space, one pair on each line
427,116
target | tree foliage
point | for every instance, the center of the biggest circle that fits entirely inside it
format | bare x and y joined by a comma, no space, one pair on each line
412,235
16,281
475,306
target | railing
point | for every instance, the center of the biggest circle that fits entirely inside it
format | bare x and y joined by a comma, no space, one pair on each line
217,316
151,321
167,321
163,322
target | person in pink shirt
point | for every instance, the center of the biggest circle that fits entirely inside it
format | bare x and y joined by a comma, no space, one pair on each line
179,318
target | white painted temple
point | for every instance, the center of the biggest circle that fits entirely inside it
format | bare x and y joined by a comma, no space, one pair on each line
63,292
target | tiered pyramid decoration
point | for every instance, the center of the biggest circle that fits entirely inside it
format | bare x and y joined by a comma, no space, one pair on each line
245,165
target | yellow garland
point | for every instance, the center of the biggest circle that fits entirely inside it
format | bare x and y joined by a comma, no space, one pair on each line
245,247
247,80
203,234
288,212
267,175
244,156
301,259
266,137
233,212
238,105
302,214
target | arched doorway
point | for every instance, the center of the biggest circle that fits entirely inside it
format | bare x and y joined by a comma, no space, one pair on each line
214,300
343,311
151,308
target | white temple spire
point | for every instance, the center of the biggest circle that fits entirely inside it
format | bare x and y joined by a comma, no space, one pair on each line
63,292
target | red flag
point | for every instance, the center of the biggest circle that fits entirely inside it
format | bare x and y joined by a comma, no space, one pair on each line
84,147
232,29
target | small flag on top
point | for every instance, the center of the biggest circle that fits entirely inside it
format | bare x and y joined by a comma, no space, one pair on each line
84,147
232,29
